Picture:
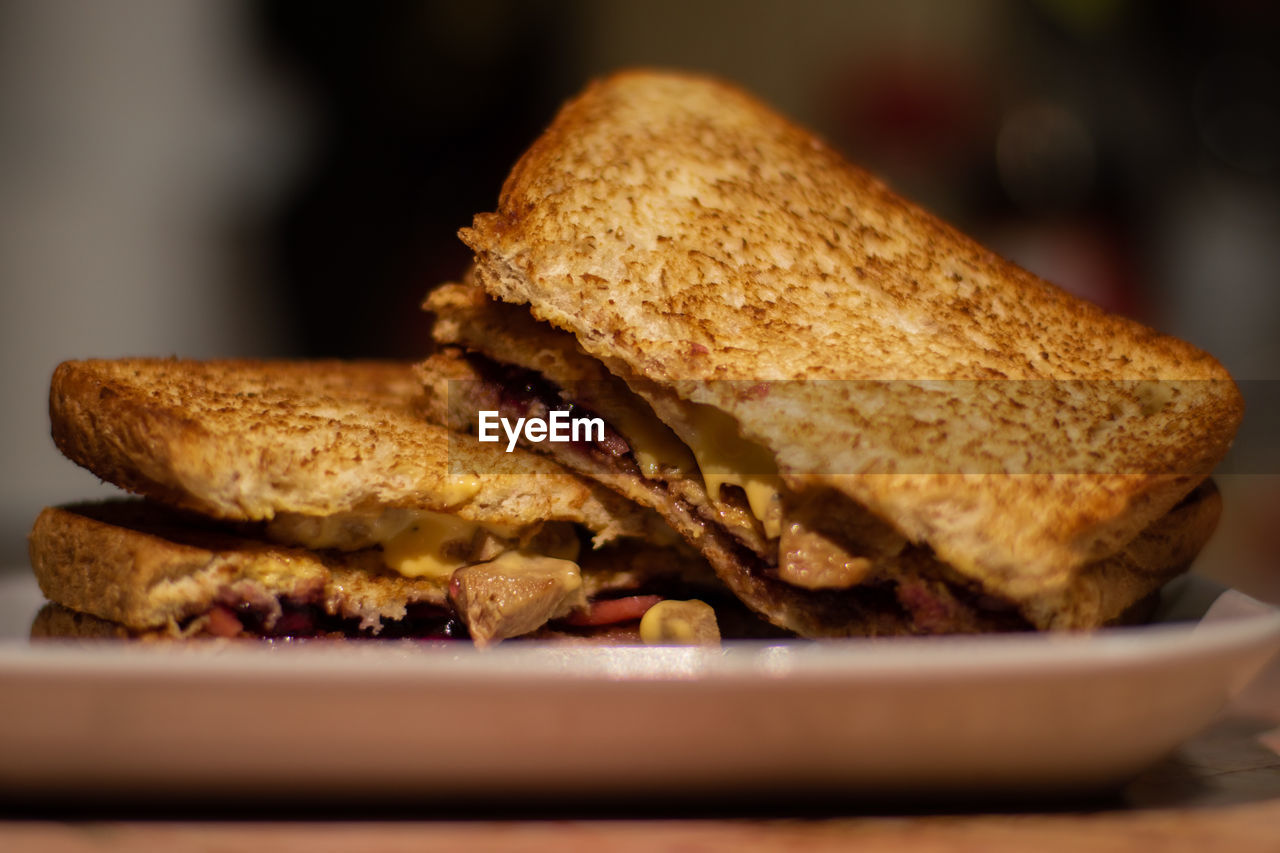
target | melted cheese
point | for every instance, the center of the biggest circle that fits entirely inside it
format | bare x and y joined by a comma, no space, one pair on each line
432,546
422,543
460,488
652,442
415,543
436,544
727,459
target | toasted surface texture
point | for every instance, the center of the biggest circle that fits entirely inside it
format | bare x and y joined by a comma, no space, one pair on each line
149,568
465,316
248,440
700,245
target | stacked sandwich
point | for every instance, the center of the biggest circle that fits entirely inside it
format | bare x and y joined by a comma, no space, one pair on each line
862,421
313,499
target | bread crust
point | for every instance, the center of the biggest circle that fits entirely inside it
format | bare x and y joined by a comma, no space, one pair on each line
699,244
249,440
53,621
149,568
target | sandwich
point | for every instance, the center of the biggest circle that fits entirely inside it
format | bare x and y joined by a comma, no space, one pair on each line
312,499
867,423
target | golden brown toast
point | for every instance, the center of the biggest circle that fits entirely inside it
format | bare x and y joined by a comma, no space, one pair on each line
249,440
705,249
53,621
149,568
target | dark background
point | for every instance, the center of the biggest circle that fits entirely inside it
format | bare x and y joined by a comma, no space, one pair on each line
286,178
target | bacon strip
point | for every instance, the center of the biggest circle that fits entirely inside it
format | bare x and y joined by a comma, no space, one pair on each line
613,610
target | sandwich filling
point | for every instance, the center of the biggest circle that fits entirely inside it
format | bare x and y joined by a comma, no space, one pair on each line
813,561
151,571
503,581
810,562
425,544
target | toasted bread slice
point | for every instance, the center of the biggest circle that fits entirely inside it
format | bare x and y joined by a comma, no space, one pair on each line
53,621
706,250
149,568
135,568
252,441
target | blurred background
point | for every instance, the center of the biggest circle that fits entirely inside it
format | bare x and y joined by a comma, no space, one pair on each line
286,179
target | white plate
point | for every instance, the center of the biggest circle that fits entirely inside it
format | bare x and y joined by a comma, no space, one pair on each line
994,713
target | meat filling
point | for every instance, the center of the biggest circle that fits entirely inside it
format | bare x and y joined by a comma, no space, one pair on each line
834,560
513,595
302,618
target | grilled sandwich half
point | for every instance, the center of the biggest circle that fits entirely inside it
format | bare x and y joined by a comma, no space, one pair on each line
866,421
